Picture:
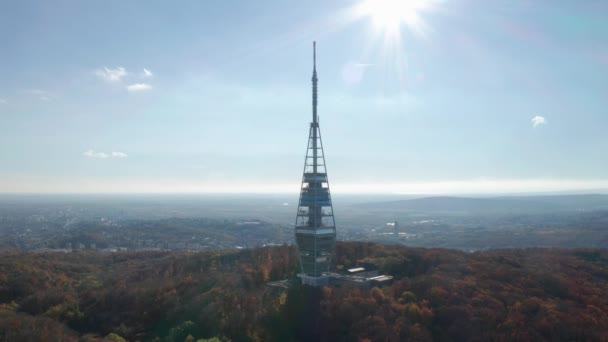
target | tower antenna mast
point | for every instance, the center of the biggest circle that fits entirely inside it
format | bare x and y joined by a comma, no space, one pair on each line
314,82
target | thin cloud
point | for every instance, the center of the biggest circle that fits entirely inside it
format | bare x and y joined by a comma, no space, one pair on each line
103,155
138,87
36,91
43,95
538,121
111,75
3,101
147,73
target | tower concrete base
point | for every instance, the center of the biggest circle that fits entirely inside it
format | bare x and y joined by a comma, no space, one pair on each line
322,280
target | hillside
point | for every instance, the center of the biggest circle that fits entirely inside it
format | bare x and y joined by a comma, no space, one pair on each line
528,294
496,204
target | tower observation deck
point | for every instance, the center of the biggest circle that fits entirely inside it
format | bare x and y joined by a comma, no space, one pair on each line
315,228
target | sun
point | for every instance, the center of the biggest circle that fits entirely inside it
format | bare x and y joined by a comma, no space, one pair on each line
388,16
393,23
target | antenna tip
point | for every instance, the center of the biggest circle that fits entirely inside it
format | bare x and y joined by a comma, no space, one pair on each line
314,53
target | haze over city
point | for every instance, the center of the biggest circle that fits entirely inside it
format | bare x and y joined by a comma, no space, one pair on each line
443,97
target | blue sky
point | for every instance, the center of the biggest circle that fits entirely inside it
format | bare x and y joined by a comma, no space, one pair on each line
214,96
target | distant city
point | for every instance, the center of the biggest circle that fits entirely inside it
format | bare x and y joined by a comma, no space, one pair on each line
67,223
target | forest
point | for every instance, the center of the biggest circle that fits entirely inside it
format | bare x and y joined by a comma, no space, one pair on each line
438,294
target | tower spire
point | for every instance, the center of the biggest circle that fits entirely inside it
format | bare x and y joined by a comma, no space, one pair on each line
314,55
314,82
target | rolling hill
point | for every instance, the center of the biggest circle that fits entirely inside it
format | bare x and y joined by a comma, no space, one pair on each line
504,204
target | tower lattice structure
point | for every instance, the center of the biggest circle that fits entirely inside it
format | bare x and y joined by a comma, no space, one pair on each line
315,229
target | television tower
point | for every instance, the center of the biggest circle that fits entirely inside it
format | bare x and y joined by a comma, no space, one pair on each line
315,228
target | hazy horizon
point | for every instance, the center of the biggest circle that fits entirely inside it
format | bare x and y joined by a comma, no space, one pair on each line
295,194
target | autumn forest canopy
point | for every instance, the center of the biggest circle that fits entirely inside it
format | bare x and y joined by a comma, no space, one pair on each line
438,294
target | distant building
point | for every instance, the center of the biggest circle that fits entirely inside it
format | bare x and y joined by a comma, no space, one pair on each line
363,270
364,274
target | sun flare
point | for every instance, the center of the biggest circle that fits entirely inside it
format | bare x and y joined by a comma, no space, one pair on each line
389,16
392,23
